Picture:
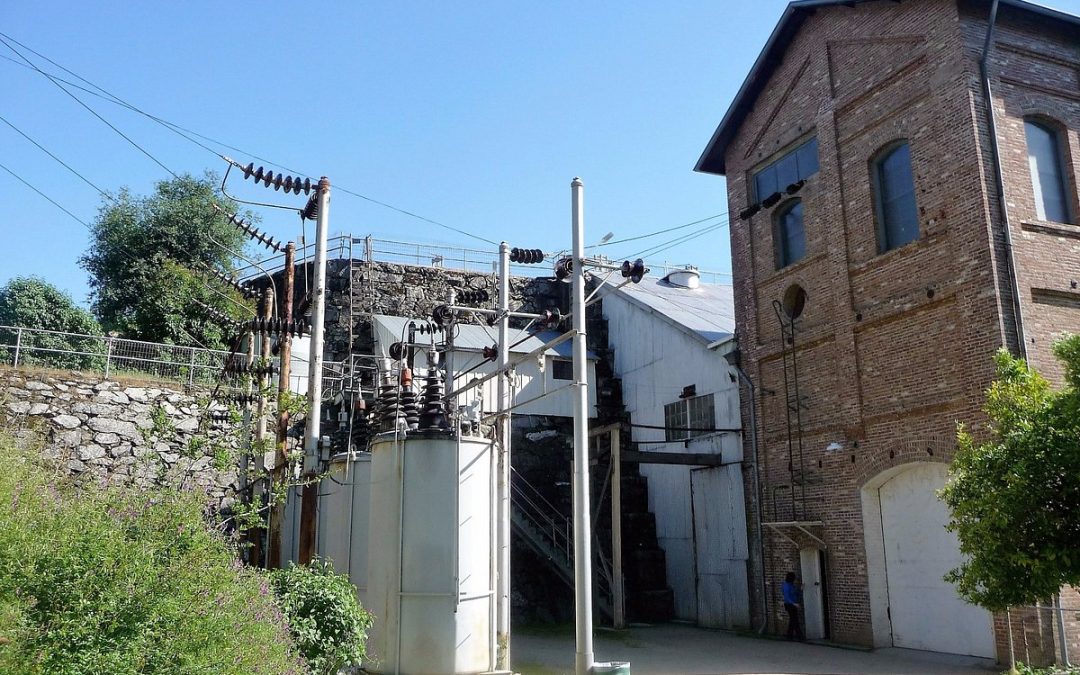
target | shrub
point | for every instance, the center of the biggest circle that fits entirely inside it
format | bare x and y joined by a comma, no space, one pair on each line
95,580
324,616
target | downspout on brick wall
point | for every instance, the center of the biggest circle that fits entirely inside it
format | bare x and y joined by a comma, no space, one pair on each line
999,179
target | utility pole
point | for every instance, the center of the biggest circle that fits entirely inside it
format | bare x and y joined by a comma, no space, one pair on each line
312,427
503,485
582,545
273,556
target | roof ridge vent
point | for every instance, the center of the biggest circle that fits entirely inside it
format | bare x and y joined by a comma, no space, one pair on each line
688,277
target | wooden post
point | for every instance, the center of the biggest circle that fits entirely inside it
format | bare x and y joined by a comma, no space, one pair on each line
260,417
273,556
618,598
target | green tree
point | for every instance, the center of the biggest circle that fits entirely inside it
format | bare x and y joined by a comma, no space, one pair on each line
98,580
1015,495
148,257
30,302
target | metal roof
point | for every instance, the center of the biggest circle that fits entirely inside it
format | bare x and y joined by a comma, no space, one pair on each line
712,159
706,312
473,338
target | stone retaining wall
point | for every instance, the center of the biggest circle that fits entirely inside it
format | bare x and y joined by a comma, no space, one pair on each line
133,435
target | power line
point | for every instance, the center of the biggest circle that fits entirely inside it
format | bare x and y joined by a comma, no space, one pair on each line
658,232
89,109
663,246
50,199
183,132
62,162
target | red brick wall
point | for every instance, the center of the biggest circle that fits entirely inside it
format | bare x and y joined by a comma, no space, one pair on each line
893,349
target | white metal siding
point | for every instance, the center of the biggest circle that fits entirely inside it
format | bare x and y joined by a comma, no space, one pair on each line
655,360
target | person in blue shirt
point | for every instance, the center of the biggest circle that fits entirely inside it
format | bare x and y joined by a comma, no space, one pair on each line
792,603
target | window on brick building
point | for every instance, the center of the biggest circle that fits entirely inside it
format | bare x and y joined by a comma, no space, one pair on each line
689,417
894,197
1047,172
789,234
798,164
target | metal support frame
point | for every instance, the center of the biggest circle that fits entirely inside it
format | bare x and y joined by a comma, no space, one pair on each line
801,526
503,464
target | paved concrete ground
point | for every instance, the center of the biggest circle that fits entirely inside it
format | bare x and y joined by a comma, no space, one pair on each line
674,649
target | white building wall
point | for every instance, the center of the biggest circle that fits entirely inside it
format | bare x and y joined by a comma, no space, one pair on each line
655,360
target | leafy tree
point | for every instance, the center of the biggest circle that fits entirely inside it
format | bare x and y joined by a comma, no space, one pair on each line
324,616
1015,496
98,580
30,302
147,261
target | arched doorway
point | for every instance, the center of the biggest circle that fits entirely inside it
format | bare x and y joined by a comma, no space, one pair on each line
908,552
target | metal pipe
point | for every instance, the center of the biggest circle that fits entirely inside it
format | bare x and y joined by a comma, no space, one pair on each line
999,180
503,482
582,539
757,491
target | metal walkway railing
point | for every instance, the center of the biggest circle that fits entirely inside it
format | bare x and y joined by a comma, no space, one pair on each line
550,533
110,355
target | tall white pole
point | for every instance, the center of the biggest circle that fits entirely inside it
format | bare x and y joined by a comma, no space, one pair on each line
318,313
582,535
503,607
310,500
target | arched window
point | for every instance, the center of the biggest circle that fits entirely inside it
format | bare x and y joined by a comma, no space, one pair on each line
894,198
1047,173
790,235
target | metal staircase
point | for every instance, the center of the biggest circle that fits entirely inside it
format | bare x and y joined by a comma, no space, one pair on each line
550,533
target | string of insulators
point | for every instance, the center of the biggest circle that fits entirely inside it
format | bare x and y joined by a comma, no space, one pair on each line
245,368
442,315
218,316
634,271
564,267
432,416
311,209
220,415
279,180
552,317
425,327
250,230
473,297
278,326
243,289
491,353
528,256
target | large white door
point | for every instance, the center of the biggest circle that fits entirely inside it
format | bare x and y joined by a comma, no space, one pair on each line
812,591
926,611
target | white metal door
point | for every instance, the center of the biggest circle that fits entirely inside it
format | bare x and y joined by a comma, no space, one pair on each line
813,601
925,610
720,551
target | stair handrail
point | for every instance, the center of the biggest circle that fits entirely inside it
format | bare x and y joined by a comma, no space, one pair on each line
545,516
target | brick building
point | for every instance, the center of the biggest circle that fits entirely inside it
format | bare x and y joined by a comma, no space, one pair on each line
875,274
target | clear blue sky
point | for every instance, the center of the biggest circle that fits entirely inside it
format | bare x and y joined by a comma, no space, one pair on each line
474,114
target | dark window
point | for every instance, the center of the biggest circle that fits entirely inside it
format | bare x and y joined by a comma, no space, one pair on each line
894,197
689,417
1047,174
790,234
800,163
561,369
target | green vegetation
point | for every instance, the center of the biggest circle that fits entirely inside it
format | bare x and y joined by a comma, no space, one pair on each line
29,302
96,580
1015,495
323,614
143,257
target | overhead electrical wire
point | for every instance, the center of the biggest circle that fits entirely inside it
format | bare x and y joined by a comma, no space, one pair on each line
658,232
47,197
181,131
89,109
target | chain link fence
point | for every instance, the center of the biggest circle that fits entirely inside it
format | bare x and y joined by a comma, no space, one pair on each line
110,355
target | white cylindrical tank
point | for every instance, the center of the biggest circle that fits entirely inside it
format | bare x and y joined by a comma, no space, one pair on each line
342,525
430,581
